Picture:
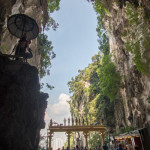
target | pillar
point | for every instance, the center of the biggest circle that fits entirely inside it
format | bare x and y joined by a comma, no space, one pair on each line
68,134
102,135
86,136
50,140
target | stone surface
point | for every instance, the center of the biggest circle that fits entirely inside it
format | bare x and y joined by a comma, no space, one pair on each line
133,107
22,106
33,9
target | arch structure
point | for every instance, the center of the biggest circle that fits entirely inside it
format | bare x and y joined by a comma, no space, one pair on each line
68,129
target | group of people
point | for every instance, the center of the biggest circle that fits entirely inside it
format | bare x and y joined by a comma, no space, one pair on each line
75,148
104,147
120,146
117,147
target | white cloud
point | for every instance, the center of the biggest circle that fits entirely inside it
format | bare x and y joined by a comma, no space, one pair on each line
60,110
57,112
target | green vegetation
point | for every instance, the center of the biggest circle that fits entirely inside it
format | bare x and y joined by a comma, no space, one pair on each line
109,78
148,99
45,46
137,37
3,49
46,50
97,86
53,5
95,141
101,33
72,143
127,129
100,8
48,8
105,110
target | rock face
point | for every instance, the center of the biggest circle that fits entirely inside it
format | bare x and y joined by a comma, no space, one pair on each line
133,108
22,106
33,9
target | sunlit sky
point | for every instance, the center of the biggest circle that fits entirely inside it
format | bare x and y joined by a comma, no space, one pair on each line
74,42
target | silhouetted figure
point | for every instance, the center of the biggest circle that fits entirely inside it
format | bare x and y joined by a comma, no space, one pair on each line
82,120
77,147
105,147
120,147
87,121
51,122
136,147
76,121
68,121
72,121
85,148
79,121
64,121
22,47
99,148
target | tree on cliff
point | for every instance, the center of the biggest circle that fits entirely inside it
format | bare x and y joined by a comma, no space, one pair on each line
49,6
47,54
45,46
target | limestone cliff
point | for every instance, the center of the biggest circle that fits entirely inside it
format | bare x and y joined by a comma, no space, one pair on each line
22,106
35,9
127,24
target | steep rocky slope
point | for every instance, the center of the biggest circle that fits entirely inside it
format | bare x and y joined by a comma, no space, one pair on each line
22,106
125,18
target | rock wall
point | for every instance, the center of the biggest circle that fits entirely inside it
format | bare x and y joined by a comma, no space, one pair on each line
32,8
22,106
133,108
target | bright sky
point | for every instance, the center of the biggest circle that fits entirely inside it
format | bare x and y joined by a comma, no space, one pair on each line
74,42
